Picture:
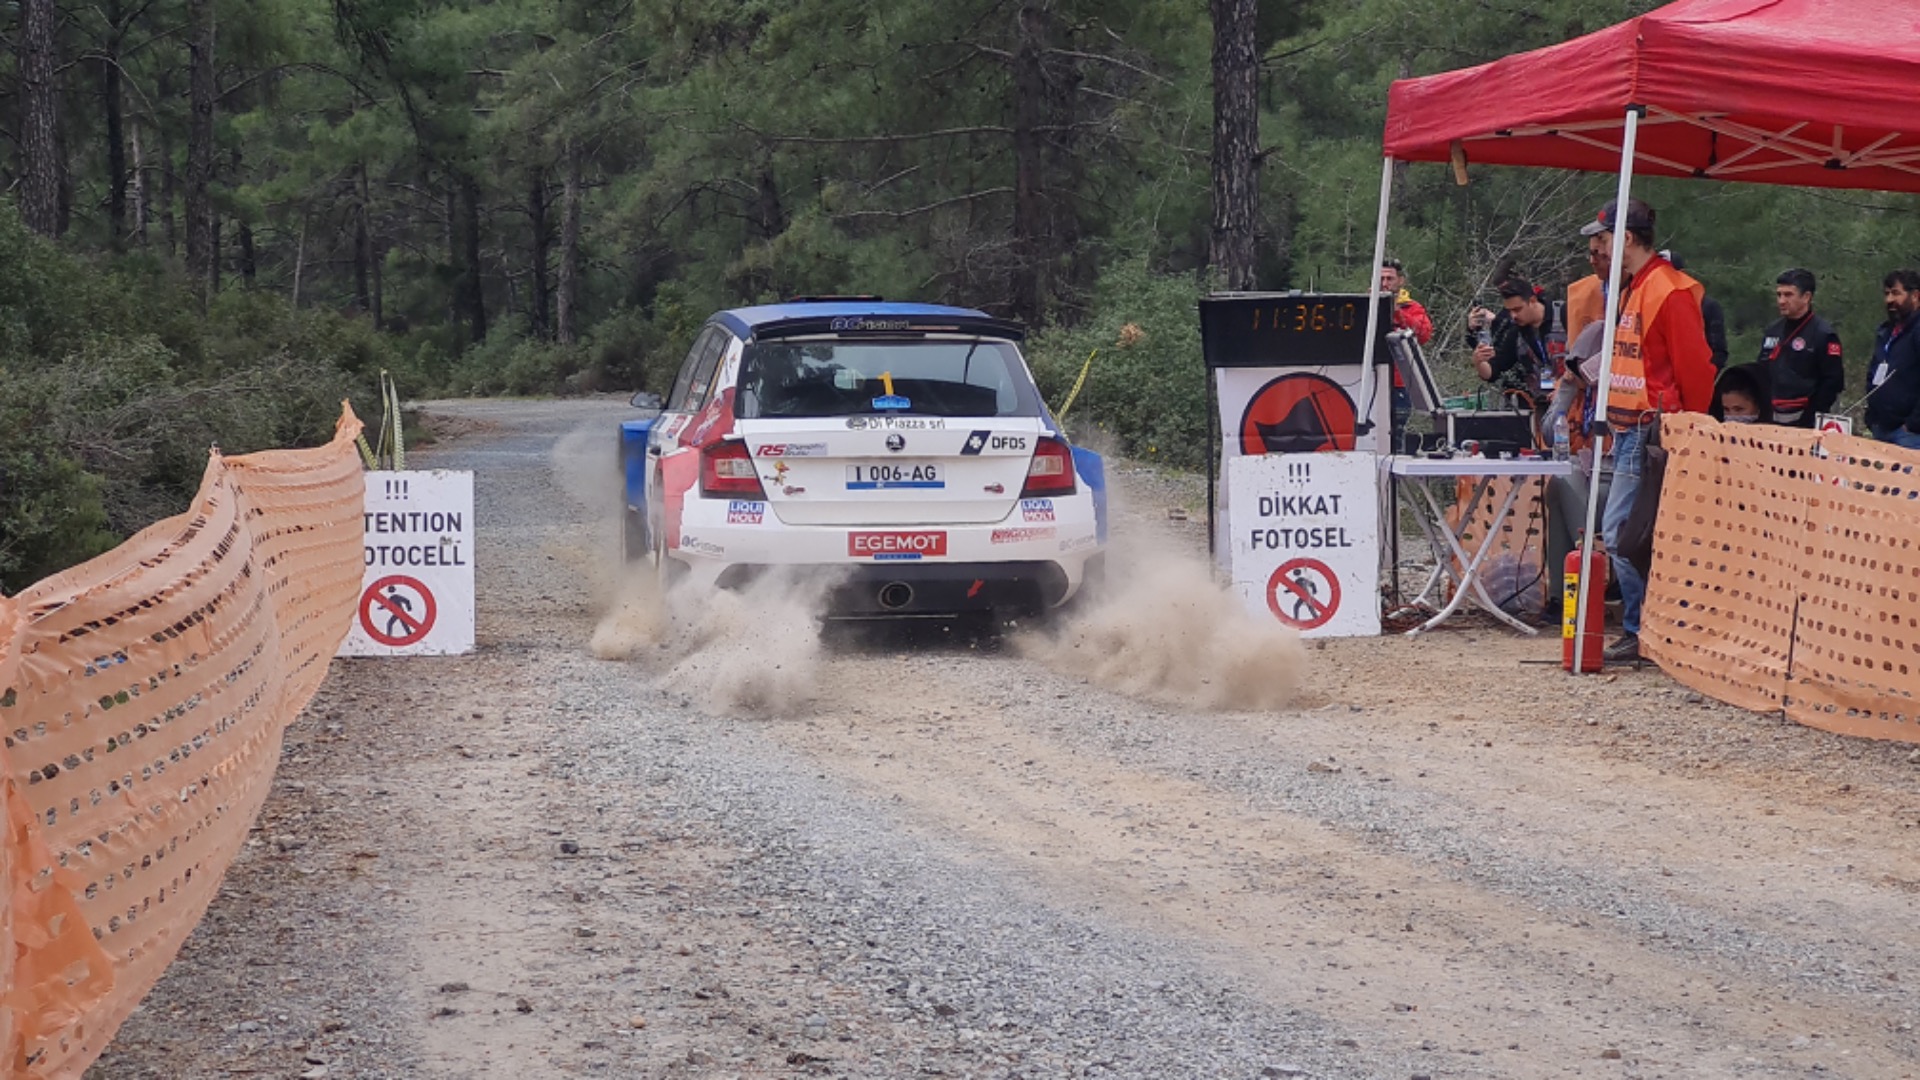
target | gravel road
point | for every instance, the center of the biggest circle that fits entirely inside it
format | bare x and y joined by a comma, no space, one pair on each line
633,841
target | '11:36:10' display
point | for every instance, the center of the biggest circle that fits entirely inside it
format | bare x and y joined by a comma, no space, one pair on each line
1305,318
1303,330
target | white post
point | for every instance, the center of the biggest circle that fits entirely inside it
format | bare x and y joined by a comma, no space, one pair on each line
1615,288
1367,388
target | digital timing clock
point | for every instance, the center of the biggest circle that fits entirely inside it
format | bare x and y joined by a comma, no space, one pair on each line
1289,329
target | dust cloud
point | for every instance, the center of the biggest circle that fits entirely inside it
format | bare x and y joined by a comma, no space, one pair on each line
1159,629
637,620
754,650
1162,629
585,463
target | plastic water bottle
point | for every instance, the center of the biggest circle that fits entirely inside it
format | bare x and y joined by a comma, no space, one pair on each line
1562,442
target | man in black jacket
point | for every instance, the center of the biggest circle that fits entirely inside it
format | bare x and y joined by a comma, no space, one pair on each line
1893,402
1515,359
1802,354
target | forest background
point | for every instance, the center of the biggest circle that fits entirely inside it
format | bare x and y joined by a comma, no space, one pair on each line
228,214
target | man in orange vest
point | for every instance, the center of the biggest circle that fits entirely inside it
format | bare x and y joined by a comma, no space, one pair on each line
1661,364
1587,298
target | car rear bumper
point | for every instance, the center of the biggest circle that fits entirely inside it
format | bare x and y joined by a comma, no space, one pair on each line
930,590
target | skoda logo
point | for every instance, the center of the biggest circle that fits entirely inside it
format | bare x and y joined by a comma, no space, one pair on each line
896,442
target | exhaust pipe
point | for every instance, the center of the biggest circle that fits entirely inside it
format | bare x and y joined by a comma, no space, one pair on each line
896,595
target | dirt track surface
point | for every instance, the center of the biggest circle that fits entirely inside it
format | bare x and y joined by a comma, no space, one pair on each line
1442,859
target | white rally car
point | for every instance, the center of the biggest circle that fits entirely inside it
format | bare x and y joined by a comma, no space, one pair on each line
904,443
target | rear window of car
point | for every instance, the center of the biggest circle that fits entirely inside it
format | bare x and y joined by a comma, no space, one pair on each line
976,377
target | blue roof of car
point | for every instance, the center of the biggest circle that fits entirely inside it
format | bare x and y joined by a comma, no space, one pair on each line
742,321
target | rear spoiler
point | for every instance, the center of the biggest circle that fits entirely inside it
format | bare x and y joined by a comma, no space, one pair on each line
881,325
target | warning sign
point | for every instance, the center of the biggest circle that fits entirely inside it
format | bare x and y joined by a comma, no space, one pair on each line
1305,543
1304,594
397,611
1300,413
417,594
1833,424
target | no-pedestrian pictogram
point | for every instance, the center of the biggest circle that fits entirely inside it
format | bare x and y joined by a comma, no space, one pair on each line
1303,593
397,611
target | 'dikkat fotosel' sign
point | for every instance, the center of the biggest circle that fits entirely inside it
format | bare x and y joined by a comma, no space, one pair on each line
417,595
1305,540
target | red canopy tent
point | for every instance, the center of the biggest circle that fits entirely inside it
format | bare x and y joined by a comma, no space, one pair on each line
1817,93
1813,92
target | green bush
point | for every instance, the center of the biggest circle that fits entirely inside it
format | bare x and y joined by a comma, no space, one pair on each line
626,350
1147,385
510,363
629,349
114,385
52,512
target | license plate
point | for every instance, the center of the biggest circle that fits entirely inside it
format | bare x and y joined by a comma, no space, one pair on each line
880,477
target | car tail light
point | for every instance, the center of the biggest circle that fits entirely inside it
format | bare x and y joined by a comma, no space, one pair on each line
1051,472
727,472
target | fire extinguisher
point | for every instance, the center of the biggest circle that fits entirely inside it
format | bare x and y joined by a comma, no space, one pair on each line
1593,641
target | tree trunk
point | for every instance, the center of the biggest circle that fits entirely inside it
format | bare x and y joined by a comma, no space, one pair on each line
1029,278
474,286
248,266
200,95
369,252
40,118
1236,136
769,213
378,286
362,246
116,152
538,303
456,271
300,261
142,199
116,130
169,176
567,302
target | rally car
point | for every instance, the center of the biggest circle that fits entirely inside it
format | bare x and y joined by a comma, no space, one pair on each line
903,444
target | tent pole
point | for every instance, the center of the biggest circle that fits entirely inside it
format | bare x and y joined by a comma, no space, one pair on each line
1367,380
1614,292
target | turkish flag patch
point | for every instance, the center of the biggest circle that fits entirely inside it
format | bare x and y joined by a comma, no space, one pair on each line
1833,348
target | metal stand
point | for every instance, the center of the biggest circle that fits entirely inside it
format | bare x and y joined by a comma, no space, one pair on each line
1446,541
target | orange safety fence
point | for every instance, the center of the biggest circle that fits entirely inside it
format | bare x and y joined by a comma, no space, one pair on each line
1786,575
143,696
1514,570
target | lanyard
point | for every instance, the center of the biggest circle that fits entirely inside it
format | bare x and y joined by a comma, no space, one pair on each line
1885,348
1789,336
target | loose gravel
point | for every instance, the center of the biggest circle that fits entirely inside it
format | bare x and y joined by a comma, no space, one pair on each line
1444,859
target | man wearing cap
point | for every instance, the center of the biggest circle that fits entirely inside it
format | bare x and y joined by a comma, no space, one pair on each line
1801,353
1587,297
1661,363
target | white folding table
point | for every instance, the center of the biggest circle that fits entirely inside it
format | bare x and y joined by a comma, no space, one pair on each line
1448,552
